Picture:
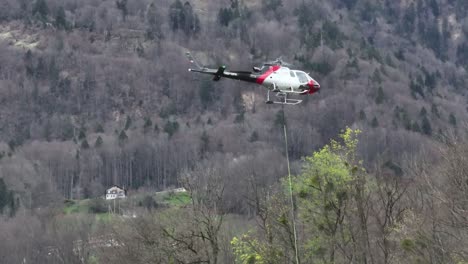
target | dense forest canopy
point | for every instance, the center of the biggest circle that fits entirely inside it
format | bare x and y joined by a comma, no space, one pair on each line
97,93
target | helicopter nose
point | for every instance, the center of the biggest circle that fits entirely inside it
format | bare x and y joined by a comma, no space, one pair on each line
314,86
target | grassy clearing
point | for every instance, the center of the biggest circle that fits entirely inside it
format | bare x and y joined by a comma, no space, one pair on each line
76,206
176,199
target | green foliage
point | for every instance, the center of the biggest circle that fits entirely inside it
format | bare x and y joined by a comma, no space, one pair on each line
97,206
177,199
324,189
245,250
408,244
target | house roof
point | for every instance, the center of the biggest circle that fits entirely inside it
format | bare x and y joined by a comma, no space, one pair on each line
116,186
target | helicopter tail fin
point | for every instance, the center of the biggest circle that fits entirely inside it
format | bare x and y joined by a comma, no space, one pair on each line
193,61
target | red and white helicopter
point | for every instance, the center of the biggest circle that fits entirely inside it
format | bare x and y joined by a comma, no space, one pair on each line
275,76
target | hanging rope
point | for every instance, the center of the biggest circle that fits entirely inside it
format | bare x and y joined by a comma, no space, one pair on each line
293,216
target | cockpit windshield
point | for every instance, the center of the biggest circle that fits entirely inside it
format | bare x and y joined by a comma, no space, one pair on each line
302,77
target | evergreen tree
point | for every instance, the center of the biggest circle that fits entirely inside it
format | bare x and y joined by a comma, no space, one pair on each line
82,133
205,143
374,122
3,195
452,119
176,15
415,127
253,137
171,128
435,110
271,5
60,19
423,111
40,9
99,129
122,6
148,125
98,142
426,126
280,119
153,30
128,123
85,144
122,137
409,19
362,115
224,16
380,96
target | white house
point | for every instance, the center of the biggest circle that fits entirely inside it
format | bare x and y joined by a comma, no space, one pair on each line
115,192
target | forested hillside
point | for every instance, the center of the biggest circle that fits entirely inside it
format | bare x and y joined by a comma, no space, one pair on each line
96,93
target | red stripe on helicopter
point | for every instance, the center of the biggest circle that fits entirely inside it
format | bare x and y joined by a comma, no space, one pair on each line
271,70
314,86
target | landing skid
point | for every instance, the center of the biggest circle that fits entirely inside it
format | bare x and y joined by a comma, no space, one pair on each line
284,100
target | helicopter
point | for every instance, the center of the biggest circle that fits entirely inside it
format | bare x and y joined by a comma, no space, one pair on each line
275,75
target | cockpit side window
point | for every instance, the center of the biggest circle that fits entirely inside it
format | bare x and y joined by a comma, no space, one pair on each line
292,74
302,77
